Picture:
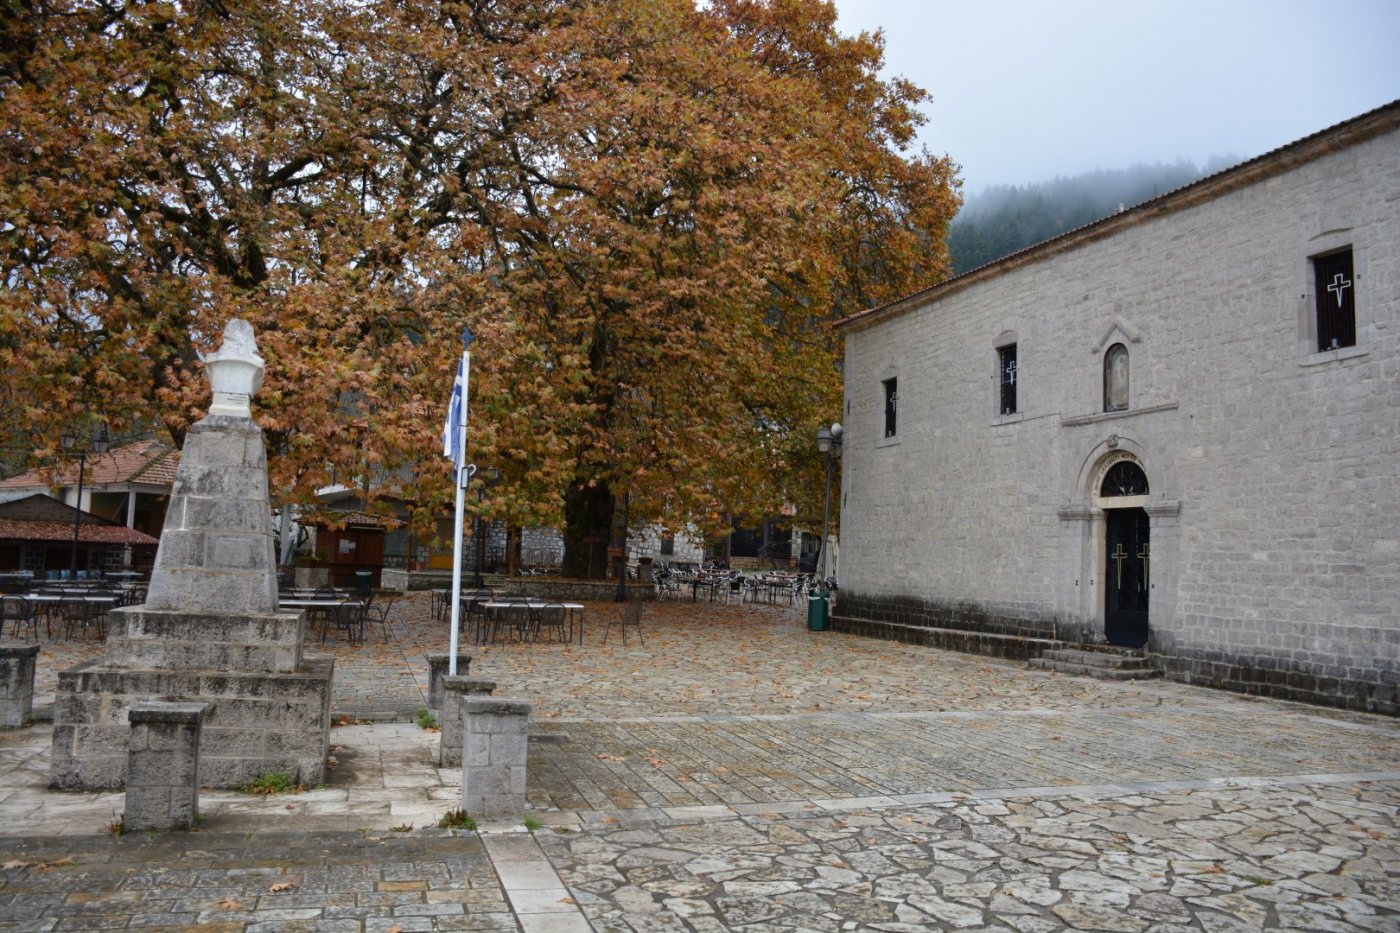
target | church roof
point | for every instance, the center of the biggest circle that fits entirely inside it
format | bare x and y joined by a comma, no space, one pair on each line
1351,132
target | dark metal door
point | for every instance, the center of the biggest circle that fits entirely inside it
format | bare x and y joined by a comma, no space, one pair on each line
1128,575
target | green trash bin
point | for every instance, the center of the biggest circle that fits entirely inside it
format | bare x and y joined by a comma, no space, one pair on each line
364,582
816,611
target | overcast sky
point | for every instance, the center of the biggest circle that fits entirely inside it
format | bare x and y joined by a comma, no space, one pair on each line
1024,90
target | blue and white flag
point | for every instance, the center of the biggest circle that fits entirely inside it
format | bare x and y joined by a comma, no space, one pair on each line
452,429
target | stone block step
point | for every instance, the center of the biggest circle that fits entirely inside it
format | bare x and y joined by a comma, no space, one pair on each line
1107,658
1095,671
1014,647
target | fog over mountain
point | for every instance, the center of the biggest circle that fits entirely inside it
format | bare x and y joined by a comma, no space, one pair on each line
1005,218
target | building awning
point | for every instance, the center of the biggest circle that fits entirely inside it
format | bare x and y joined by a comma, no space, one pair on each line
62,533
364,521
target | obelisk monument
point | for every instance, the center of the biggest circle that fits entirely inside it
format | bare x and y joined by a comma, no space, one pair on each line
210,629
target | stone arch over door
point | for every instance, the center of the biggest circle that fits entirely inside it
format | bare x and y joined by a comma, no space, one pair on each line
1093,523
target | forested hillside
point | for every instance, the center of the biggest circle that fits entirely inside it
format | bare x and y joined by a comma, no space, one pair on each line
1006,218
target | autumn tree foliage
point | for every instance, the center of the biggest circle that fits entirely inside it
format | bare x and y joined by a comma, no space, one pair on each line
648,213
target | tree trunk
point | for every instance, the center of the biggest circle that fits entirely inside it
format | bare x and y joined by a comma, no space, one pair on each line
588,514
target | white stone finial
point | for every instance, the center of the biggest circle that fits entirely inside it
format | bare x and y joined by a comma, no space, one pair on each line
235,371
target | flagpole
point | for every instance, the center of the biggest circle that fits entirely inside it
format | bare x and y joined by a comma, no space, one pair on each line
463,474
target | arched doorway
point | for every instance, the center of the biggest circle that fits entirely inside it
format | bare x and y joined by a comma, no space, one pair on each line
1127,564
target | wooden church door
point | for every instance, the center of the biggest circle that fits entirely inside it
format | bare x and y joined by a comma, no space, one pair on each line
1128,575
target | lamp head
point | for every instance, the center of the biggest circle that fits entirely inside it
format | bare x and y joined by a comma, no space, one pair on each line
101,441
823,439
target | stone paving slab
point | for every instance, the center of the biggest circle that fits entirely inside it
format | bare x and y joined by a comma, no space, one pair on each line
732,760
1320,857
442,880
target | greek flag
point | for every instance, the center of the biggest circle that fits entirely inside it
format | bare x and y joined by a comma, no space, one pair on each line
452,430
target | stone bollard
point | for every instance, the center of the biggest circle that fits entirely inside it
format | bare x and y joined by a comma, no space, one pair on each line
162,766
454,691
16,684
437,670
493,766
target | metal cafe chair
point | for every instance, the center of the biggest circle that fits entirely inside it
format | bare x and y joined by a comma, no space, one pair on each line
348,617
22,613
516,617
76,613
550,616
377,610
632,616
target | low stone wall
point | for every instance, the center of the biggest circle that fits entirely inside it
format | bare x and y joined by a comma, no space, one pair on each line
560,589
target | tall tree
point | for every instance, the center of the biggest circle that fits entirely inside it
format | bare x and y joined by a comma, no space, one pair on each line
647,212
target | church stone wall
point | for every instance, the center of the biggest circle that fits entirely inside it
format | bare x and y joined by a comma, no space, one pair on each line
1274,502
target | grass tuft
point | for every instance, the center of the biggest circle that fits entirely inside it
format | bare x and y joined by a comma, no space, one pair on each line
272,782
456,819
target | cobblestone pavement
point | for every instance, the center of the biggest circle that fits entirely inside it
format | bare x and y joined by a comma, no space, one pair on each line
737,772
265,881
1320,857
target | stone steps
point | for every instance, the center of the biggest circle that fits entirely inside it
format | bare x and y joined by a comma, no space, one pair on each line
994,644
1100,663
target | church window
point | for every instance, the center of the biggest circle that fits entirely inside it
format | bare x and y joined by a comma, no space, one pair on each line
1124,478
891,387
1334,287
1115,378
668,545
1006,358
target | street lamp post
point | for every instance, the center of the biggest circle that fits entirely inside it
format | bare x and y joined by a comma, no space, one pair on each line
829,443
489,477
98,444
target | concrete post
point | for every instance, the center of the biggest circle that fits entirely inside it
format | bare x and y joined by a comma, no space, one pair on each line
437,670
452,720
493,766
162,770
16,684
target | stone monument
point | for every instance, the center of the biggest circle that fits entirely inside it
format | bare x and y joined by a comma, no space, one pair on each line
210,630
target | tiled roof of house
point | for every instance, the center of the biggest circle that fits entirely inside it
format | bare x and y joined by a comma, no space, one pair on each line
326,518
148,462
62,532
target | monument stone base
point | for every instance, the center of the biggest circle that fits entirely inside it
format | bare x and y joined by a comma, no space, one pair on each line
257,723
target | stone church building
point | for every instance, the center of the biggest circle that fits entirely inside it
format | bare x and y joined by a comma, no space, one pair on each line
1176,428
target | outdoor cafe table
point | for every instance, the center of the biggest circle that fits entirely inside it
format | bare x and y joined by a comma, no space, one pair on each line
574,610
324,604
774,587
49,601
708,583
111,598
